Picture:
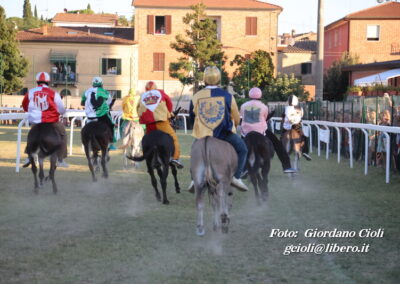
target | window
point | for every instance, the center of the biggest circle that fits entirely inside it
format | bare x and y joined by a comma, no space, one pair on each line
251,26
159,25
111,66
336,38
373,32
306,68
116,94
158,61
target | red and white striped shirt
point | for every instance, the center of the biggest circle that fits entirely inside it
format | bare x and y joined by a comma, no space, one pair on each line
43,105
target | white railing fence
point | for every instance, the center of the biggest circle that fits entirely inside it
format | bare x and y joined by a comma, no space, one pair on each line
323,135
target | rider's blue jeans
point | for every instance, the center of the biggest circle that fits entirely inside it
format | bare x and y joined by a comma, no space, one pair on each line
241,149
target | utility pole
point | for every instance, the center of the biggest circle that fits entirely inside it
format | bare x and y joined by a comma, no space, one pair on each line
319,72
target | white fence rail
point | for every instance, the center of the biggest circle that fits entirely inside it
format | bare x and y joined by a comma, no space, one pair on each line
323,136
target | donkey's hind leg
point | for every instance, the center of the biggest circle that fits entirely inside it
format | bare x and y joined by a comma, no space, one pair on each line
163,174
200,210
104,154
53,166
89,159
41,171
153,179
174,173
34,171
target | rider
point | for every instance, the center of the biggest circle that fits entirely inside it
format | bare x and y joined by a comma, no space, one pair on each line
254,118
215,113
97,102
292,120
155,110
45,105
129,112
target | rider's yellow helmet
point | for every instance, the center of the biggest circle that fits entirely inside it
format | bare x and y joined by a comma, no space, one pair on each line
212,75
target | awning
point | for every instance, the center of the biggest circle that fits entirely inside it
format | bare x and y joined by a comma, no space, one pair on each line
63,55
380,78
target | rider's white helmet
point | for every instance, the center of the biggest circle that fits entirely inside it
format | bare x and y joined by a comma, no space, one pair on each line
43,77
97,82
293,100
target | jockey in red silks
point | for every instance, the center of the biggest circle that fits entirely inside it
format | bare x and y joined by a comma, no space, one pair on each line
155,110
254,115
45,105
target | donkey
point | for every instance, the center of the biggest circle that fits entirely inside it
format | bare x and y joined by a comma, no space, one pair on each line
158,148
260,153
132,136
212,165
95,137
43,141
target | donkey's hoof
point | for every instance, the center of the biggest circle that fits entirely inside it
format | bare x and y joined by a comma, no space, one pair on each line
225,229
104,175
166,202
178,190
200,231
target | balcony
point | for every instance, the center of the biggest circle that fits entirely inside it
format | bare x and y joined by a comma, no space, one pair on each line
63,79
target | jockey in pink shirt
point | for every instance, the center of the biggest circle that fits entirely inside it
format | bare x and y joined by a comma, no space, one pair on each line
45,105
254,115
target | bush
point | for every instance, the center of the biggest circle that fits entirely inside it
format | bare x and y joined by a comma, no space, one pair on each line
282,87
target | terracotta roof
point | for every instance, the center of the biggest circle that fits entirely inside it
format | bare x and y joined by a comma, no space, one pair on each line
388,10
85,18
79,35
303,46
224,4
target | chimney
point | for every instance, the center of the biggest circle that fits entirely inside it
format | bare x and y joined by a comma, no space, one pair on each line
44,29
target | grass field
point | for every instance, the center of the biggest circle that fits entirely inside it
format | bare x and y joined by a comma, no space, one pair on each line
115,231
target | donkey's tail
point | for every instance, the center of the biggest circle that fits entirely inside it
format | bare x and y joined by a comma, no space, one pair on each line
136,159
209,176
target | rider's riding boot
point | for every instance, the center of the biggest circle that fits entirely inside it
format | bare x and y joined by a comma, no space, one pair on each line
289,171
62,164
112,147
177,163
191,187
308,158
238,183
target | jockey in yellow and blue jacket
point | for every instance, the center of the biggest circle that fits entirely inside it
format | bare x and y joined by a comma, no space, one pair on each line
214,112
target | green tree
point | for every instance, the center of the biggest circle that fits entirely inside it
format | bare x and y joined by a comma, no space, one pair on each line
27,12
13,67
255,71
335,81
133,21
35,13
199,48
282,87
123,21
88,7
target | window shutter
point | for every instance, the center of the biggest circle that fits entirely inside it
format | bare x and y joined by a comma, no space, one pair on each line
150,24
119,71
161,57
104,66
155,61
254,26
168,24
248,25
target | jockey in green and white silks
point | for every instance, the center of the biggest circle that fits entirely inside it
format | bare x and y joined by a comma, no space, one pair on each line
97,103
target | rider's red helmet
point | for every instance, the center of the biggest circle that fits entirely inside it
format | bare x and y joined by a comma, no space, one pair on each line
150,85
43,77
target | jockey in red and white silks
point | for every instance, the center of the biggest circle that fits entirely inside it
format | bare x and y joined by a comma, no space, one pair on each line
43,104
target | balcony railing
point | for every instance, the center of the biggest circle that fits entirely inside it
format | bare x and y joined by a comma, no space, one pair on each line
64,78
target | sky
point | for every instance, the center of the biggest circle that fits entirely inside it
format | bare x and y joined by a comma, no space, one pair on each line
300,15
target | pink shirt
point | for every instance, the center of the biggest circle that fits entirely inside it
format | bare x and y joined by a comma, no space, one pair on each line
254,115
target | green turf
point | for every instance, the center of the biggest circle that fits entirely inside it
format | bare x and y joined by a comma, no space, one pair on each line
115,231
